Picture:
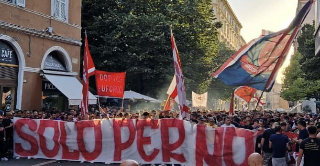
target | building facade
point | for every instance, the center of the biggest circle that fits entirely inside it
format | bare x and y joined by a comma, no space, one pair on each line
317,32
273,100
311,16
40,44
229,33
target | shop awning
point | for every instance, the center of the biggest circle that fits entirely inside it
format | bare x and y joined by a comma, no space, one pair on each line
131,95
70,87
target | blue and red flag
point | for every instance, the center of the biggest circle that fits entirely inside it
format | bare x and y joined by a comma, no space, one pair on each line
256,64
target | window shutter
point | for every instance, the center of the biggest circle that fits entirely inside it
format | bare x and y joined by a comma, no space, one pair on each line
67,10
21,3
52,7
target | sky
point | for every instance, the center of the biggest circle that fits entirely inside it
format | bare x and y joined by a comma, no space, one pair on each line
272,15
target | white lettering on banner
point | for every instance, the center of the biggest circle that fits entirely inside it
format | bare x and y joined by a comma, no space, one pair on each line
146,141
110,78
112,89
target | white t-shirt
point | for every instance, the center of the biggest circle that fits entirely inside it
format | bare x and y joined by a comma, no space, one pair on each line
231,125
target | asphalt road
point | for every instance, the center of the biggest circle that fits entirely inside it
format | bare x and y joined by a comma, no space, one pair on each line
43,162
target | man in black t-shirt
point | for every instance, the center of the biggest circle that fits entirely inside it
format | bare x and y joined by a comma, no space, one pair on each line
266,150
310,148
258,144
8,125
303,133
2,141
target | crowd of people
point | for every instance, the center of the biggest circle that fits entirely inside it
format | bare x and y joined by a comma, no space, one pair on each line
271,143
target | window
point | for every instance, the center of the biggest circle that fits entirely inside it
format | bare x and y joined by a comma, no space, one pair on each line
59,9
21,3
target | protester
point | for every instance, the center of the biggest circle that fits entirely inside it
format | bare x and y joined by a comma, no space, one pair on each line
2,141
212,122
266,150
279,144
303,133
227,123
310,149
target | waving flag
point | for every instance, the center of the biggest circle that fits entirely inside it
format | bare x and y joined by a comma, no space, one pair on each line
260,102
257,63
172,95
179,79
88,70
245,93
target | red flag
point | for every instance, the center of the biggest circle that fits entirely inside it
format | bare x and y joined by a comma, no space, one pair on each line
231,104
260,102
246,93
91,67
179,79
85,79
110,84
167,105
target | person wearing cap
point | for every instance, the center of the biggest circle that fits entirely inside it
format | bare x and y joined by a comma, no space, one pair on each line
201,120
212,122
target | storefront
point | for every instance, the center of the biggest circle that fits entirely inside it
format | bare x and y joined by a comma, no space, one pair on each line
9,67
60,87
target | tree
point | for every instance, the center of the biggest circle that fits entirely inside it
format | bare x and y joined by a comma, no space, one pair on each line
219,90
302,80
134,36
310,64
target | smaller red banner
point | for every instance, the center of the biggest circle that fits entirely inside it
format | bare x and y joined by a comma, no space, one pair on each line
110,84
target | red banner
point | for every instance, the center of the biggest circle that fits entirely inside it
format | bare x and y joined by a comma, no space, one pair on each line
110,84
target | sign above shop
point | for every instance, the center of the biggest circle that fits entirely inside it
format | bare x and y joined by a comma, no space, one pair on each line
48,87
53,62
7,54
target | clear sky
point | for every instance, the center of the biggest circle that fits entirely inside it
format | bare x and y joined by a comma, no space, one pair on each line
273,15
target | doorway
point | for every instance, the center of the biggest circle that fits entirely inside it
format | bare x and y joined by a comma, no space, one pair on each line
7,97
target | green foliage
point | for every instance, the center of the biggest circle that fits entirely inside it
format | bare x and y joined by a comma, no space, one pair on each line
302,80
310,64
219,90
134,36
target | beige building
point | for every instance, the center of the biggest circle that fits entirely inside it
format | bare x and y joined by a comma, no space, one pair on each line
40,44
273,100
308,20
311,16
230,31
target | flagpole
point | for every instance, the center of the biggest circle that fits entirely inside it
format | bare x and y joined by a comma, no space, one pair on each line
231,104
259,100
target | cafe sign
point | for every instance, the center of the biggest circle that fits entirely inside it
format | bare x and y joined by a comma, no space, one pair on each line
53,62
7,54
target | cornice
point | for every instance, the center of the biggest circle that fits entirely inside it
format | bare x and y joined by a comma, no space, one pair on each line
39,33
39,14
232,12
